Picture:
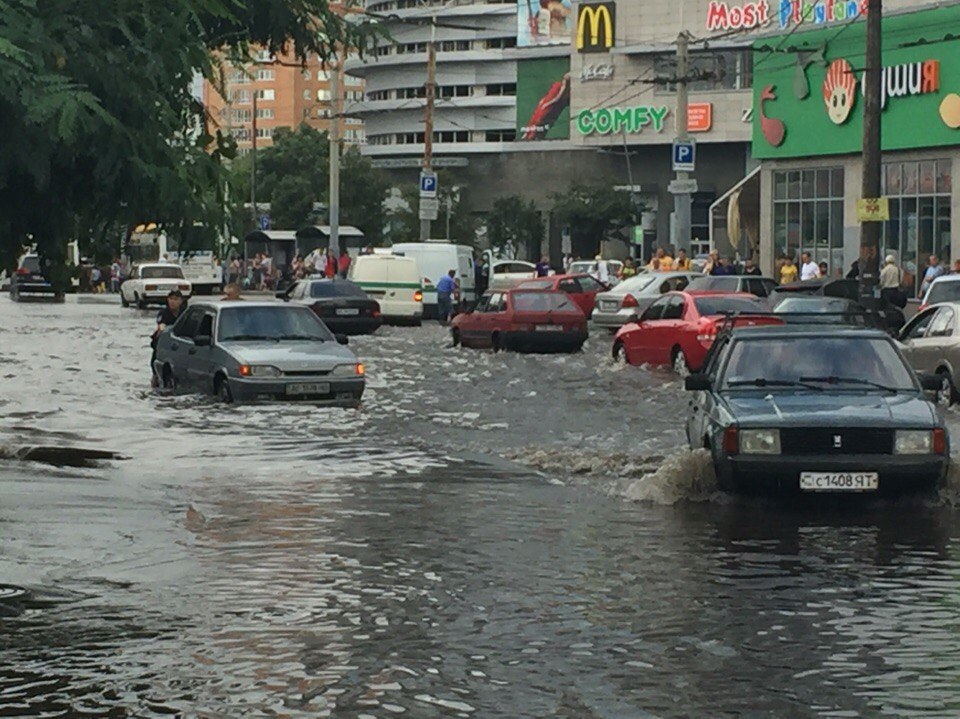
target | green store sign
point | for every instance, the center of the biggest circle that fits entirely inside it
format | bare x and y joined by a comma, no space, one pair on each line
621,119
808,100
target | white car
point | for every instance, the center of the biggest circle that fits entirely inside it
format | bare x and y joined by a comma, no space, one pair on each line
504,274
945,288
589,267
150,284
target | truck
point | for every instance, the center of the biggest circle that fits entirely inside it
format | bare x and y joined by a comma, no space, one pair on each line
435,258
148,242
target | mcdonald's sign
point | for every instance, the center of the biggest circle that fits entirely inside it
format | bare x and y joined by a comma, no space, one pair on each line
595,26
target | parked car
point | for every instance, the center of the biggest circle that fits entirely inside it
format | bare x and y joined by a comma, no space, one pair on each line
589,267
943,289
30,283
506,274
582,289
627,301
752,284
244,351
679,329
888,317
931,344
522,320
394,282
150,284
804,309
797,409
342,305
435,258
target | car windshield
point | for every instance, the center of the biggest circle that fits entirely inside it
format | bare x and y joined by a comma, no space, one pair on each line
336,288
820,305
281,323
162,273
542,302
728,305
817,362
637,284
944,292
715,284
31,263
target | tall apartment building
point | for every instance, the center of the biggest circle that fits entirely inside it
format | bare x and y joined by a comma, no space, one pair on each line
286,93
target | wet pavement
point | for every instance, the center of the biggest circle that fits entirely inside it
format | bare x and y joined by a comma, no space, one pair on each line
489,536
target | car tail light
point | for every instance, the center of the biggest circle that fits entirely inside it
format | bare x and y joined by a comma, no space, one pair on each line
375,313
629,301
939,441
418,296
184,287
731,442
360,369
150,288
23,271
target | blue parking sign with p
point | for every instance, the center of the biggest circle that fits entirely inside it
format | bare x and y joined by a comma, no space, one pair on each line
428,184
684,156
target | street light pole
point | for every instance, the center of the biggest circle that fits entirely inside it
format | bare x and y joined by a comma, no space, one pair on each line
253,164
682,200
431,90
869,262
334,135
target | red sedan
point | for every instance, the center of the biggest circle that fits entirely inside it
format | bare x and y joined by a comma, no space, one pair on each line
680,327
522,320
582,288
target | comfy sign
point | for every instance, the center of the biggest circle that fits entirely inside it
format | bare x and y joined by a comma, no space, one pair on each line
621,119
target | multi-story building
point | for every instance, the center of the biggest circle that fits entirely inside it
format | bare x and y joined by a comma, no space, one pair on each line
286,93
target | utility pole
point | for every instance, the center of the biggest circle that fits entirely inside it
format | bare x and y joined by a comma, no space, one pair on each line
431,90
869,262
334,135
253,165
682,201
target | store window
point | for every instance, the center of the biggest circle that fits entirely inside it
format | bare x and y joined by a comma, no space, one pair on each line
714,70
920,213
808,215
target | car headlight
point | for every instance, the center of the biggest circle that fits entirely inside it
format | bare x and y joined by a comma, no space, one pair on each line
759,441
259,370
349,370
913,441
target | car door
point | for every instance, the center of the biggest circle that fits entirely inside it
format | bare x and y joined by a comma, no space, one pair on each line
200,356
498,317
126,289
483,327
181,342
571,287
639,341
701,409
913,336
929,349
472,323
589,287
666,334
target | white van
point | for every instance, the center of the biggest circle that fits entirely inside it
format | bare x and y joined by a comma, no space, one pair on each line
435,259
394,282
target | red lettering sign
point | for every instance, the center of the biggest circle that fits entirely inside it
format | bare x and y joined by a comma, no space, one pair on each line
721,16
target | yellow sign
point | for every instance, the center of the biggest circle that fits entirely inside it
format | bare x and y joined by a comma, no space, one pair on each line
873,210
589,20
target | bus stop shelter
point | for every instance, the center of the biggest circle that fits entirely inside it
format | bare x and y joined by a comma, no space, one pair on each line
316,237
279,245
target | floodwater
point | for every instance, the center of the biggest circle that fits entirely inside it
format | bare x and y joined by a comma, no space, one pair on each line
489,536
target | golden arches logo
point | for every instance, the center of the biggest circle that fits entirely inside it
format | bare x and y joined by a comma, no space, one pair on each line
589,21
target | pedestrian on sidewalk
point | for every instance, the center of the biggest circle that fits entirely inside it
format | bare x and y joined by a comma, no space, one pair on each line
543,266
343,264
446,288
788,272
116,275
891,278
330,269
933,271
809,270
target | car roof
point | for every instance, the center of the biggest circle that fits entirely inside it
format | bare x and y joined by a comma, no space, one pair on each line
716,293
813,331
217,305
946,278
527,290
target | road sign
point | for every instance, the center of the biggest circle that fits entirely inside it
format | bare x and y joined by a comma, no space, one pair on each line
428,214
428,184
684,156
682,187
430,204
873,210
265,222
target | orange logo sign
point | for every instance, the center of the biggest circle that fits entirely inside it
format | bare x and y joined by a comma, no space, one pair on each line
699,116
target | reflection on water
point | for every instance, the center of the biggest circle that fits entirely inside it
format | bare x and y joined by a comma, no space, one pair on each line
272,561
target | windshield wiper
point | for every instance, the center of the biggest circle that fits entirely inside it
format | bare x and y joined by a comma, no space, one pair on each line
761,382
850,380
301,337
242,338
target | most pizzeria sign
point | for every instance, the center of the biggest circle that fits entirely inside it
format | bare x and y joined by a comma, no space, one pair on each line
724,16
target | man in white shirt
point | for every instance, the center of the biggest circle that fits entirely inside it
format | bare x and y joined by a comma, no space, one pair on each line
603,272
809,270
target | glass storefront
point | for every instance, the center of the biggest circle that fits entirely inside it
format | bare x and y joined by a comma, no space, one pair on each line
808,215
920,214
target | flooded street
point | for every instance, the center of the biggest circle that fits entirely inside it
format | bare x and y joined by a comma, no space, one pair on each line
489,536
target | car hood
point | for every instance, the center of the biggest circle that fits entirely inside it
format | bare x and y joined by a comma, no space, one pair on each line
291,355
779,408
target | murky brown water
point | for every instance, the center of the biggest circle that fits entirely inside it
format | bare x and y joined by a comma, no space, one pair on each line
273,561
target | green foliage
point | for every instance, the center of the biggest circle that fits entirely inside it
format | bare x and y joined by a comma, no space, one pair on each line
514,227
592,212
404,220
363,189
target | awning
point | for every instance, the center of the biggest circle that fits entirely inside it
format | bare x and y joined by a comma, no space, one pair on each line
324,230
271,236
735,218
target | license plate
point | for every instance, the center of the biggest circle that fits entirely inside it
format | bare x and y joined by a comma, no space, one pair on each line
309,388
839,481
549,328
348,312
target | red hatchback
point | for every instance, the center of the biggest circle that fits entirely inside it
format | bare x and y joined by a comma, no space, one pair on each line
522,320
680,327
583,289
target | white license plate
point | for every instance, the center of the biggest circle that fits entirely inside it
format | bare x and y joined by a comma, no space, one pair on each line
348,312
309,388
839,481
549,328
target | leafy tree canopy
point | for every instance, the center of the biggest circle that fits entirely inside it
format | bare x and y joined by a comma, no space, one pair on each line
593,213
514,228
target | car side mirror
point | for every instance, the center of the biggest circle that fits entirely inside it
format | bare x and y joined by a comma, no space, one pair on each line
282,295
930,382
697,383
202,340
343,340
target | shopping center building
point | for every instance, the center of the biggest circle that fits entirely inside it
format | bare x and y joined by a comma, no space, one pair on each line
808,128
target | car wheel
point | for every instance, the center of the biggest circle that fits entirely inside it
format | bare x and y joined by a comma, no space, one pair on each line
223,390
123,301
495,342
169,380
946,393
619,352
140,303
455,336
679,363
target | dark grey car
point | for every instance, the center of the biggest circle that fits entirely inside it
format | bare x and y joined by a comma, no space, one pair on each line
258,351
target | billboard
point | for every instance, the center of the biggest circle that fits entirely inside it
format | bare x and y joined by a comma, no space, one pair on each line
544,22
543,99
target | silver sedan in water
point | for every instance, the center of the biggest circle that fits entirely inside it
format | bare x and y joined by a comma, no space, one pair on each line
258,351
618,306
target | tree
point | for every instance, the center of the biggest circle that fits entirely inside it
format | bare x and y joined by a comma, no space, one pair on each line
296,162
363,189
404,218
592,213
514,226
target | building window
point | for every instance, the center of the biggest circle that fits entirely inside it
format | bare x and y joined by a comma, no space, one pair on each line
240,97
714,70
241,115
323,95
306,75
501,135
323,112
920,213
808,215
265,94
263,56
264,113
323,75
502,88
241,134
306,94
453,91
453,46
266,73
239,77
264,132
499,43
